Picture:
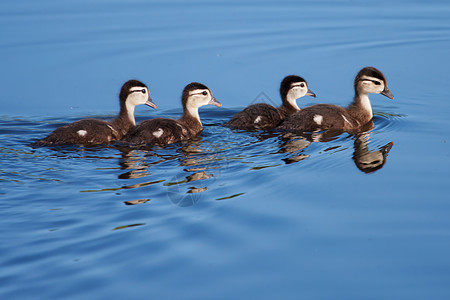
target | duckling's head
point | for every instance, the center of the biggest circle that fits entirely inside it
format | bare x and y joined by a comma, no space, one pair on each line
293,87
371,80
196,95
367,160
134,93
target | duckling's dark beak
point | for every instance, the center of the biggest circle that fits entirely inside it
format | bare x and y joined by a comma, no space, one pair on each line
215,102
150,103
310,93
386,148
386,92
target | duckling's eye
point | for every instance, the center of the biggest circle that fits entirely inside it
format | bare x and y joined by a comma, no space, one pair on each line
302,85
377,82
205,93
144,91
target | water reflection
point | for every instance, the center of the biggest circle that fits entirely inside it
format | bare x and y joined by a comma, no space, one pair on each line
136,162
203,163
135,202
366,160
197,164
295,143
184,173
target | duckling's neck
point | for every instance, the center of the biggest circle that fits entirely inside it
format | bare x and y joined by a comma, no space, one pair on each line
361,108
291,102
191,119
289,106
125,121
365,104
130,113
192,112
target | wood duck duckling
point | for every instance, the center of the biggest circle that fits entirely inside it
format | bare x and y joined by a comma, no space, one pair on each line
329,116
93,131
263,115
168,131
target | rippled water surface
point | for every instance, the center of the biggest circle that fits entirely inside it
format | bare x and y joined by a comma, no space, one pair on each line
230,214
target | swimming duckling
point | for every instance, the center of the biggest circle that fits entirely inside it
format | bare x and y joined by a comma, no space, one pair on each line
262,115
168,131
329,116
93,131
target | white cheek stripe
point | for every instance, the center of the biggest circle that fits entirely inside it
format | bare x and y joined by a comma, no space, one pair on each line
139,89
197,91
370,78
297,84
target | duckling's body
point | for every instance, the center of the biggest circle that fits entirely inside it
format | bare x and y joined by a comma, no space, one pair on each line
259,115
321,116
265,116
86,131
330,116
163,131
168,131
93,131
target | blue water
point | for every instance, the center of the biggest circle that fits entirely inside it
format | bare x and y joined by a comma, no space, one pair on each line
230,214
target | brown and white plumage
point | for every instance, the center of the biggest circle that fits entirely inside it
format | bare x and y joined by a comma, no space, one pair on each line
330,116
93,131
168,131
263,115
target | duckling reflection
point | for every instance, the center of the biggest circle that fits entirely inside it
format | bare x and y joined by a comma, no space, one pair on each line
137,162
202,160
294,143
366,160
199,162
132,161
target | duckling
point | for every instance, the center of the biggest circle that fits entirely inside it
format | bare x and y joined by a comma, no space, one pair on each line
168,131
262,115
93,131
329,116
